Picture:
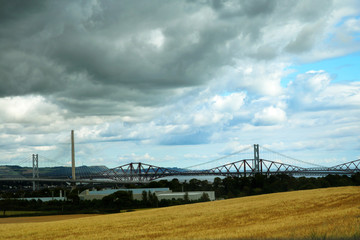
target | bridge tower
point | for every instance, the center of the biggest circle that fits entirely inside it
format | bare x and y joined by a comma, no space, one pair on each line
35,170
72,156
256,161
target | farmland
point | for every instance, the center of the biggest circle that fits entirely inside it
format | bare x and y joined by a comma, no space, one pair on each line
34,219
310,214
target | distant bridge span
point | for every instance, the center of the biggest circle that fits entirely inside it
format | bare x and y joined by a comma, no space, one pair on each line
138,172
64,180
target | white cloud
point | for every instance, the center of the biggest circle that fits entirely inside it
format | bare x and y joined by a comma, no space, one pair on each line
218,109
231,103
157,38
183,72
353,25
341,95
236,146
45,148
319,80
270,116
146,158
28,109
313,90
262,78
304,90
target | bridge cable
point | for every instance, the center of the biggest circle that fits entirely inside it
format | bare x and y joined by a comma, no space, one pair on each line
61,164
220,158
283,155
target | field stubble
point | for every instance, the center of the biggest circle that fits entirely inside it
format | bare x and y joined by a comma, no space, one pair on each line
312,214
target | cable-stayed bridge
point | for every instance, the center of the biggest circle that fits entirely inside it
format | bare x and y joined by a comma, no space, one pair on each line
248,161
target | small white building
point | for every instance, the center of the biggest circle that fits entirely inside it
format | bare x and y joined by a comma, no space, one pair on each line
193,196
161,193
137,193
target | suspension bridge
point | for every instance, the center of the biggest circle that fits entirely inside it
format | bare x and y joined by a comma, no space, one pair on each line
251,160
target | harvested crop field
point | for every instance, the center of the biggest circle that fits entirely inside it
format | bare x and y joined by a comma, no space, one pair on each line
311,214
51,218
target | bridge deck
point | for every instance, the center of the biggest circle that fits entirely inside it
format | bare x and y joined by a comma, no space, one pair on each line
143,173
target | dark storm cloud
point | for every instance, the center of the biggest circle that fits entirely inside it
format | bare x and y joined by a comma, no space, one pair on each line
305,39
11,10
106,57
250,8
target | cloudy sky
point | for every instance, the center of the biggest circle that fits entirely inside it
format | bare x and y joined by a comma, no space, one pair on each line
176,83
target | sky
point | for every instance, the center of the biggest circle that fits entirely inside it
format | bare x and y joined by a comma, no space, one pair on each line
177,83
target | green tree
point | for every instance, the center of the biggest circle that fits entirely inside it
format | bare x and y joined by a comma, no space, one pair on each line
119,200
356,179
204,197
73,196
195,185
144,196
175,185
153,200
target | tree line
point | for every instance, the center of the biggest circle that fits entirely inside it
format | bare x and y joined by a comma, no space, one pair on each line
116,202
228,187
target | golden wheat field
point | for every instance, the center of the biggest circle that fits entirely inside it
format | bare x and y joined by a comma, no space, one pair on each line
49,218
324,213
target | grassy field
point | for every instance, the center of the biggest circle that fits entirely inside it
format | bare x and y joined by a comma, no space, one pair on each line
52,218
25,213
16,213
312,214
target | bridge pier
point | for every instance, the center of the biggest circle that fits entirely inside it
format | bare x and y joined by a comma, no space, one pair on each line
256,161
73,176
72,156
35,170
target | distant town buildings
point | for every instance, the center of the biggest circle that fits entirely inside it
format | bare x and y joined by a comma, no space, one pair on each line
161,193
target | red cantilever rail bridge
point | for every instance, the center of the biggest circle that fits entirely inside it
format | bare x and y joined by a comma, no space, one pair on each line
141,172
137,172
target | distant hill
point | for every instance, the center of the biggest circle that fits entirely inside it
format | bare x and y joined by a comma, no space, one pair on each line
177,169
14,171
10,171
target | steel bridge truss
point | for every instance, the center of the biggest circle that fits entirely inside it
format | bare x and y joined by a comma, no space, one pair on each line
141,172
347,168
136,172
353,166
247,167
